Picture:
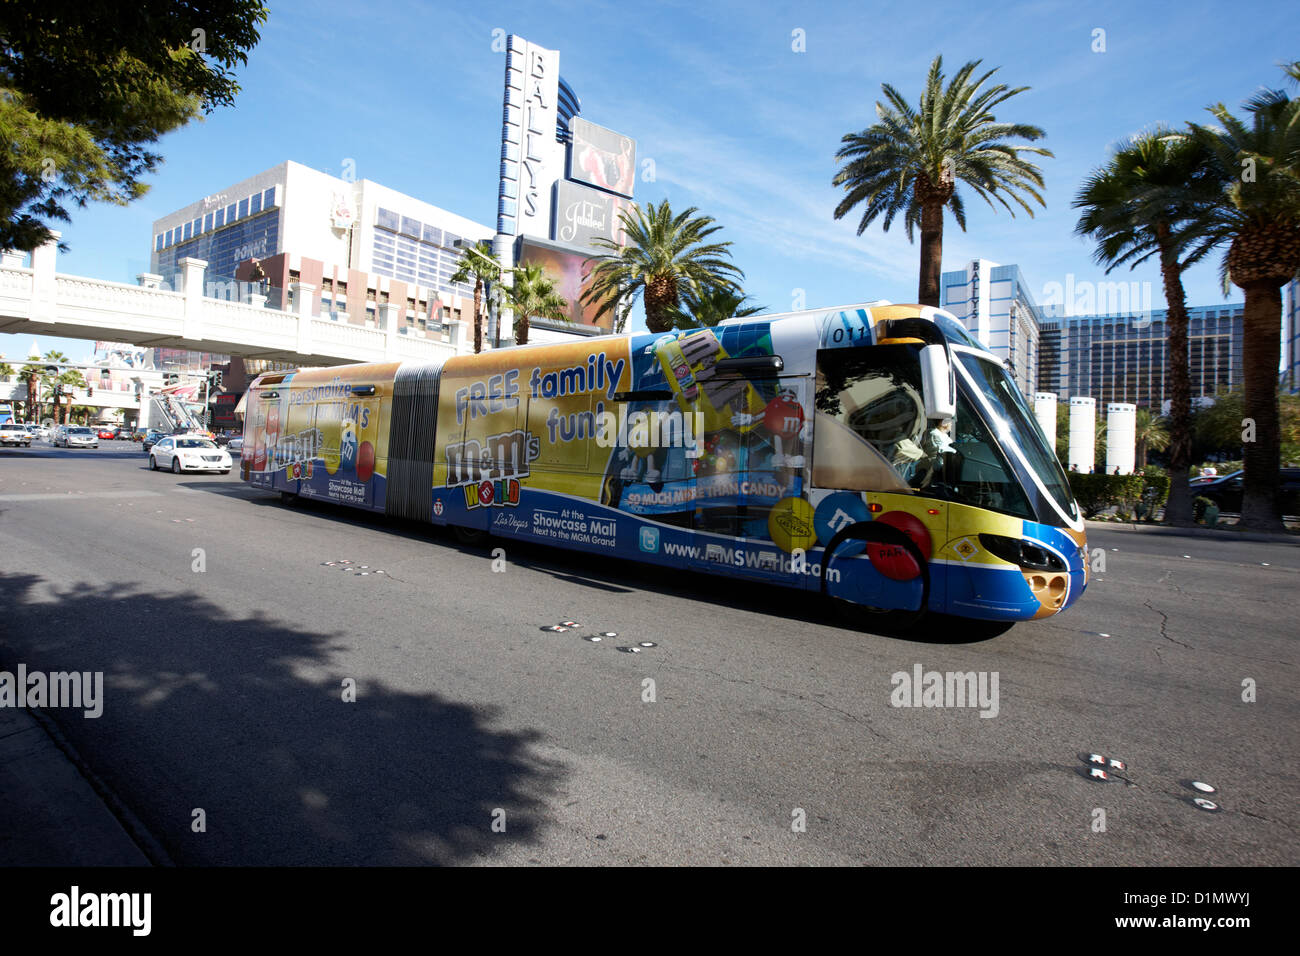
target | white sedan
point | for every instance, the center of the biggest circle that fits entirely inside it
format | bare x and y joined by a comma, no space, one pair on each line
189,453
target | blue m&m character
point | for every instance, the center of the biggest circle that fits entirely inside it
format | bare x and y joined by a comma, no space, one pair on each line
838,511
348,445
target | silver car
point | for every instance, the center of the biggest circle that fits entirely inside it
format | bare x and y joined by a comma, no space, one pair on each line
78,436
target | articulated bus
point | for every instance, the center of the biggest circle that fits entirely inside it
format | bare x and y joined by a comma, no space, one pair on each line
876,454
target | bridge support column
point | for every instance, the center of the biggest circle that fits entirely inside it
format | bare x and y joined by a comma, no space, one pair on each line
192,287
389,317
43,284
302,296
456,335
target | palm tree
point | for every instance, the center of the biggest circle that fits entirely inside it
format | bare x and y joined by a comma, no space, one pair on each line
71,379
709,306
1150,434
478,263
665,256
911,160
51,379
30,373
531,292
1258,218
1137,206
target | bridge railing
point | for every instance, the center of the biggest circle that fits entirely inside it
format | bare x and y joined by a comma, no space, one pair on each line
188,317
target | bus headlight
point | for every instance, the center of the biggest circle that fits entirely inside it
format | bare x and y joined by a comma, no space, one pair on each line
1022,553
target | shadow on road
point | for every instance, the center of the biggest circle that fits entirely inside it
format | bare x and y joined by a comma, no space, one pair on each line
244,718
601,572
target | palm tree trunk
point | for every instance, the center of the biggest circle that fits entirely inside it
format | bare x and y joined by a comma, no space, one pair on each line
521,330
478,316
1178,509
1261,352
927,292
660,298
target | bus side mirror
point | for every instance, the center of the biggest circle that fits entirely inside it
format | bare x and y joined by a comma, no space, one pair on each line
937,383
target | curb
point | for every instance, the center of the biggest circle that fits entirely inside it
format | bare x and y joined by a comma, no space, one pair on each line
1221,535
54,810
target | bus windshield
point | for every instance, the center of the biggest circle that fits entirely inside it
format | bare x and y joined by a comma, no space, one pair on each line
872,435
1017,427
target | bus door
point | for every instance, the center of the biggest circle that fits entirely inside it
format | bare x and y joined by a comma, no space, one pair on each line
751,474
872,458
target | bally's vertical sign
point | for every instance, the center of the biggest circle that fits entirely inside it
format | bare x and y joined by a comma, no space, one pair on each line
532,159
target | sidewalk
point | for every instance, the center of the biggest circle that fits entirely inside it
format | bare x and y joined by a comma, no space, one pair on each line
50,814
1221,534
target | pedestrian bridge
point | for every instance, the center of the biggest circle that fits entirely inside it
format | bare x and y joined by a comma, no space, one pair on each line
37,300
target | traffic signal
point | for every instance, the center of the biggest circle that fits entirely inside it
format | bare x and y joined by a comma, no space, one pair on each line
216,380
171,378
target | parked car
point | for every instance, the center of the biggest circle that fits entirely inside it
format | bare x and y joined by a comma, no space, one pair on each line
12,433
195,452
1226,491
78,436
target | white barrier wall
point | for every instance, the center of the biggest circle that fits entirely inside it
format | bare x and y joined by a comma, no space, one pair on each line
1121,437
1045,412
1083,433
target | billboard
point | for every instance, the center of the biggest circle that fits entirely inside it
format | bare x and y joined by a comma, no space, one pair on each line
583,214
531,158
601,157
570,270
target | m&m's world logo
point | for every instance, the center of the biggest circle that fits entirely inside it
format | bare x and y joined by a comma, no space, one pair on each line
492,494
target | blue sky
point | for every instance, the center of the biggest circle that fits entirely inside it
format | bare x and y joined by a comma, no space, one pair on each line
736,122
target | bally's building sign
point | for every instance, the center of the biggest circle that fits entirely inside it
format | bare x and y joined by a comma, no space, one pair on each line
532,159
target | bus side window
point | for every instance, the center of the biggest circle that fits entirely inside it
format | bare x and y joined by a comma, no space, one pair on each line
870,418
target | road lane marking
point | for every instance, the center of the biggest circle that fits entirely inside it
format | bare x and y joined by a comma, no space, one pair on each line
71,496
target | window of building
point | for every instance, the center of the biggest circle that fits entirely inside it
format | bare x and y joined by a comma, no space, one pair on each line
243,208
255,204
268,197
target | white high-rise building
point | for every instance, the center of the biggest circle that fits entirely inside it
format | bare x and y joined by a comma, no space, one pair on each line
994,303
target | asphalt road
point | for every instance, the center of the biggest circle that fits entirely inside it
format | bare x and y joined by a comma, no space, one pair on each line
225,693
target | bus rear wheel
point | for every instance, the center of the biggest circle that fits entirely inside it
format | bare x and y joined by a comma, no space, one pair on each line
471,537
